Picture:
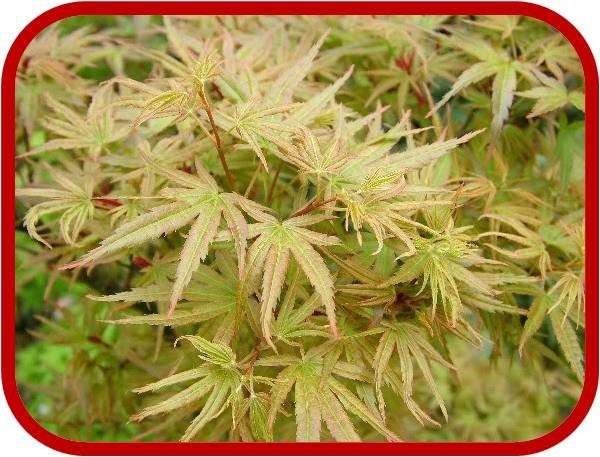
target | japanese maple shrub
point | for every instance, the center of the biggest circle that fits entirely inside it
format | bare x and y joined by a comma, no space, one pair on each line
303,228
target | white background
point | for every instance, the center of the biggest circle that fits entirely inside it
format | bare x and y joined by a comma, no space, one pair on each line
16,14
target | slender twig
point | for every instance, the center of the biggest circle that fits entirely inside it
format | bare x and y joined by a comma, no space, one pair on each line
218,144
250,359
312,206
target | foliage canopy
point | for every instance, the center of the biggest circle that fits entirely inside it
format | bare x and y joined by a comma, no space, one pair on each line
301,228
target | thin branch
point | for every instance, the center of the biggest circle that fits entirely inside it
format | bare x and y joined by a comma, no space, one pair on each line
313,205
218,144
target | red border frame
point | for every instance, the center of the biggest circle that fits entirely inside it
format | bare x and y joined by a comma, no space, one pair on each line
307,8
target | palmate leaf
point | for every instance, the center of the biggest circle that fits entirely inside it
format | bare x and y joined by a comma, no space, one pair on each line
257,125
562,328
218,377
552,97
56,55
199,201
319,397
558,56
366,178
567,295
210,294
172,101
316,160
250,417
276,242
444,263
292,321
259,410
183,95
92,132
387,218
267,122
409,342
533,245
493,62
168,152
283,87
569,343
351,164
306,112
73,201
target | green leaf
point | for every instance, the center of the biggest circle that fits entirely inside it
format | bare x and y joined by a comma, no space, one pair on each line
173,379
355,406
569,149
308,410
178,318
195,248
179,400
503,90
219,354
472,75
535,316
569,344
337,421
259,420
212,408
